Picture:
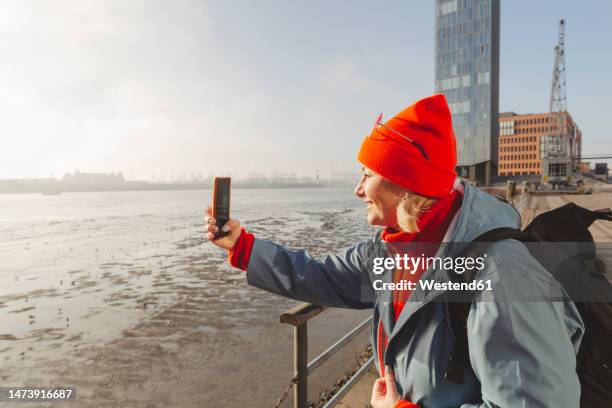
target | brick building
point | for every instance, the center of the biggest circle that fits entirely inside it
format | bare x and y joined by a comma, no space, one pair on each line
520,142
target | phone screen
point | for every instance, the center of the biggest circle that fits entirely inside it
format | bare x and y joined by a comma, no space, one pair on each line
221,208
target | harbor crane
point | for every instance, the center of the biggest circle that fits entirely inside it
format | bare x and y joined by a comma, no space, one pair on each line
560,147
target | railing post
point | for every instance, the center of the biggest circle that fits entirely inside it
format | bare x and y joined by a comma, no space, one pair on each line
300,364
510,190
298,317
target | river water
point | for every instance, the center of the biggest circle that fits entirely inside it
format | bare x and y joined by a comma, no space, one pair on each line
120,295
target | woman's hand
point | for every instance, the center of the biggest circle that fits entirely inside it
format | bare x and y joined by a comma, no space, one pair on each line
210,228
384,393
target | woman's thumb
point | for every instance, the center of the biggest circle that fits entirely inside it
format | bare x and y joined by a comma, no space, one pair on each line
390,380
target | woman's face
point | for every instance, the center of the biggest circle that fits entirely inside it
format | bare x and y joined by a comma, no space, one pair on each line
381,198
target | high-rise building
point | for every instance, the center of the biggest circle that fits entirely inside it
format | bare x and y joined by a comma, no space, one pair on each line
467,72
521,138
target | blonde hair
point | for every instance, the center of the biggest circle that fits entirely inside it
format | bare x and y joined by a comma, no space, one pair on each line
409,209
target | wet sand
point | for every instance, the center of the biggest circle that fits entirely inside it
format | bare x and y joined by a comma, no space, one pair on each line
122,298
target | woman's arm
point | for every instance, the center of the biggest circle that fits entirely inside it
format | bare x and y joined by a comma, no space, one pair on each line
523,356
524,351
339,280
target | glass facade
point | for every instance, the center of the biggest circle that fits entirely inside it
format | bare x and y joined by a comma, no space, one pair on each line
467,72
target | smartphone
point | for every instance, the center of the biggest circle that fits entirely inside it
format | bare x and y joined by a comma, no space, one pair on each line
221,203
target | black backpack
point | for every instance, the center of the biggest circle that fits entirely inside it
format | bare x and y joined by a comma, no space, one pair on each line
580,273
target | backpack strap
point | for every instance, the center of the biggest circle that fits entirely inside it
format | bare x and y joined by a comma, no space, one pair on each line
459,309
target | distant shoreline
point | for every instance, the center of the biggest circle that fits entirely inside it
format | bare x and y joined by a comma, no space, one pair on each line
59,187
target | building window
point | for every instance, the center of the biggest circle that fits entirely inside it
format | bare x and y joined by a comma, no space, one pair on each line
449,7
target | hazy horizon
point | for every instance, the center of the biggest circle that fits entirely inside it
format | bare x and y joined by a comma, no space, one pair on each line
153,87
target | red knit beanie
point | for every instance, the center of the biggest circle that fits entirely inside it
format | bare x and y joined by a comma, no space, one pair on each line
428,123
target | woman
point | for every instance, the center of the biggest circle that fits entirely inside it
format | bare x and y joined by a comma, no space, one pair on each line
521,353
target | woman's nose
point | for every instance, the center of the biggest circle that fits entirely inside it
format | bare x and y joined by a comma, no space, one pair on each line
359,188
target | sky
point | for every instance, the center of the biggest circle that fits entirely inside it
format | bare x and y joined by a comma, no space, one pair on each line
160,87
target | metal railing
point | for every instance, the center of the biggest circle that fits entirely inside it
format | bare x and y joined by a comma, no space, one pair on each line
298,317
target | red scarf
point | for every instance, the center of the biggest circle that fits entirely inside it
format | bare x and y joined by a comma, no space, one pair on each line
432,224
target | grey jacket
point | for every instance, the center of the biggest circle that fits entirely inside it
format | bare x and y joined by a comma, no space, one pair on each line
523,353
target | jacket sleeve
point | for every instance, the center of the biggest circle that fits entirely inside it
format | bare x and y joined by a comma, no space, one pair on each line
405,404
340,280
524,352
